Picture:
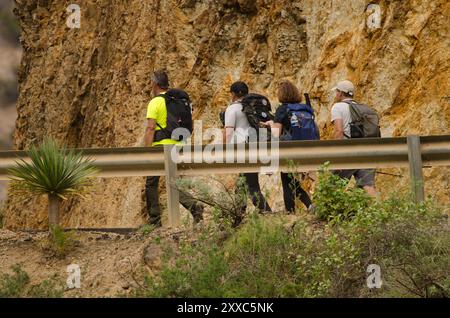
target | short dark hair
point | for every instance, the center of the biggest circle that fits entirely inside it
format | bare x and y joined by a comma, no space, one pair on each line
240,89
161,79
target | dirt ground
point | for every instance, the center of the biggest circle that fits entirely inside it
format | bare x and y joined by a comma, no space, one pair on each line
111,264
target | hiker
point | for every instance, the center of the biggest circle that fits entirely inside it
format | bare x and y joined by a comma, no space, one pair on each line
236,130
162,121
293,121
346,126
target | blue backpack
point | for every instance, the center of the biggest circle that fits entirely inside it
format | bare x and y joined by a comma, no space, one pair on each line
302,124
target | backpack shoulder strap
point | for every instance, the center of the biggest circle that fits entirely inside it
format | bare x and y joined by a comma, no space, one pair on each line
288,107
354,111
163,96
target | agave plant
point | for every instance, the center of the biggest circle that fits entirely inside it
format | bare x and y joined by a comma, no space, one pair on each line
54,171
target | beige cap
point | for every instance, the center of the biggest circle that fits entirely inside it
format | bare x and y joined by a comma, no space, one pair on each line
346,87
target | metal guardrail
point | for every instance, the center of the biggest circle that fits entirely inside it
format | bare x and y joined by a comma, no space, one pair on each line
412,151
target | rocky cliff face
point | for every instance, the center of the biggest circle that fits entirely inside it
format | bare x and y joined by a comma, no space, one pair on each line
89,86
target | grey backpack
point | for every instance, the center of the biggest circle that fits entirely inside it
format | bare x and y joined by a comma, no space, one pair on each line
365,121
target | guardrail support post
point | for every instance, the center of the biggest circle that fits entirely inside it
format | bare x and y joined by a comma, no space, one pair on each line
173,196
415,168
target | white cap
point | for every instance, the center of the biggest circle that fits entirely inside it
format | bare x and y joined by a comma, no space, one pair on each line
346,87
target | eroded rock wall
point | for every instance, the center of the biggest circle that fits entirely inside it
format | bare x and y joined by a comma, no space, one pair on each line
89,86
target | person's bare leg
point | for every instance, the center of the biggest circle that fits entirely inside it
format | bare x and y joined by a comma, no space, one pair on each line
371,191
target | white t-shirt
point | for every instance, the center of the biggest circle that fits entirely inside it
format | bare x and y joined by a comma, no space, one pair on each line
235,117
341,110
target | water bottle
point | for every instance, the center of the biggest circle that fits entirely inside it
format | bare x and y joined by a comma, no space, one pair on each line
294,120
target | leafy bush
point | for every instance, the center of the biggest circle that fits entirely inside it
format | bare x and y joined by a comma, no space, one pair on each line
18,285
146,229
196,272
14,285
261,257
334,197
59,242
249,264
269,256
410,242
49,288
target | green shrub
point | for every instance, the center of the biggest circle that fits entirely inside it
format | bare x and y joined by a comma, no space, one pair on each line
269,256
409,242
146,229
18,285
14,285
333,197
197,271
59,242
47,289
261,256
258,260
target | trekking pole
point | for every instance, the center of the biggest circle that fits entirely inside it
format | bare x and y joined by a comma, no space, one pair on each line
308,100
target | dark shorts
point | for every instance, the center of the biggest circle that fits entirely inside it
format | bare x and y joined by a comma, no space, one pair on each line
363,177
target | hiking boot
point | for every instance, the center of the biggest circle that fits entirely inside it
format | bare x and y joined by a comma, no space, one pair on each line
155,222
198,218
196,210
198,214
312,209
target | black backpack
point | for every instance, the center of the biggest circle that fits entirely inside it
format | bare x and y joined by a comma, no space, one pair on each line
365,121
258,110
179,114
